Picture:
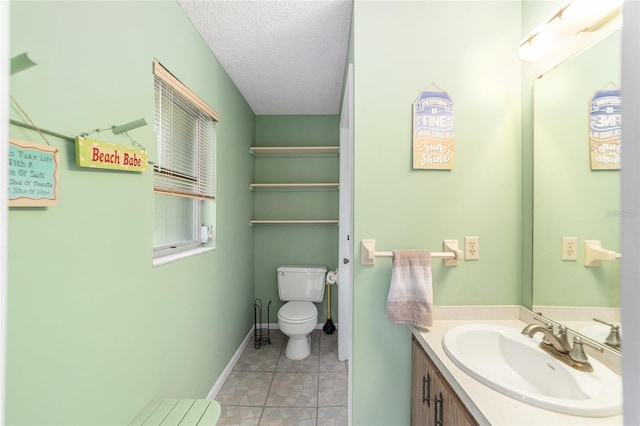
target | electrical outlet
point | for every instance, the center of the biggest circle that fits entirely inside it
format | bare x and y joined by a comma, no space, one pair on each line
569,248
471,248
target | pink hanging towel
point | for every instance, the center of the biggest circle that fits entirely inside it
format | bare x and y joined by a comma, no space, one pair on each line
410,299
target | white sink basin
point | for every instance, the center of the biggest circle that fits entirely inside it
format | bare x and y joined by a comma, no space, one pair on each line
509,362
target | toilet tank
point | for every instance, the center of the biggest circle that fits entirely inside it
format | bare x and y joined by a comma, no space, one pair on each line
301,283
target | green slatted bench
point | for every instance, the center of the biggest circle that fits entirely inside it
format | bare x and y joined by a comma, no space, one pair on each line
183,412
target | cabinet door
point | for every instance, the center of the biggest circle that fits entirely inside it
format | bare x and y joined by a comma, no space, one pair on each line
422,387
448,410
433,401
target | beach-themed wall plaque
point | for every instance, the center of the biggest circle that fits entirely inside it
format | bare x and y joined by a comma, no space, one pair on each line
33,174
104,155
433,133
605,130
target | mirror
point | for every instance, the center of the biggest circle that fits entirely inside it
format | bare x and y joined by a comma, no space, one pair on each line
571,199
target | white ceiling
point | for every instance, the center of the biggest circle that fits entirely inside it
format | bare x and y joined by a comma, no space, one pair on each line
286,57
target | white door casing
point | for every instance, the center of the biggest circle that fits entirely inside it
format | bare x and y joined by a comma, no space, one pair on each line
345,249
345,245
4,195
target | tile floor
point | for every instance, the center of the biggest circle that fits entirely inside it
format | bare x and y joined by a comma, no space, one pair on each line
266,388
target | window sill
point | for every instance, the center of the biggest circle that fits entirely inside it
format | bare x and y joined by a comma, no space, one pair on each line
174,257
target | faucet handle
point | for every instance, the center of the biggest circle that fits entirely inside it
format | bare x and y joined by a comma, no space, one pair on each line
577,352
613,339
545,339
564,338
610,324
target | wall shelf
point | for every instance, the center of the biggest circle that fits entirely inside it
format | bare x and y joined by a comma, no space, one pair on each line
294,186
292,151
293,222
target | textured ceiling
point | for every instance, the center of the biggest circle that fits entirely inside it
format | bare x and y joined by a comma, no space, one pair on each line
285,56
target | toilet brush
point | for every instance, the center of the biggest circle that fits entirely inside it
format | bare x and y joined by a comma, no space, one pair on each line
328,326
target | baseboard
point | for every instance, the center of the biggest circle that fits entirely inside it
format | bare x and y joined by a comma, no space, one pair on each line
227,370
236,356
274,326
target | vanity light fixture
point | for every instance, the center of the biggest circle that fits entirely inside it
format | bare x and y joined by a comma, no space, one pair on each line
570,29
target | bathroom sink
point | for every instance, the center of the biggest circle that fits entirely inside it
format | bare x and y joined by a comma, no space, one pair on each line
513,364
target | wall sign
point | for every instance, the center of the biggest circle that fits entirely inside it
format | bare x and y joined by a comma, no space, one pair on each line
103,155
433,133
605,130
33,174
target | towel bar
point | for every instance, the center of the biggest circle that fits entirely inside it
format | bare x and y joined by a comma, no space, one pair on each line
594,253
450,255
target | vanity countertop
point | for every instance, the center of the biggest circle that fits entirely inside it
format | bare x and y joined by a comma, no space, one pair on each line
487,405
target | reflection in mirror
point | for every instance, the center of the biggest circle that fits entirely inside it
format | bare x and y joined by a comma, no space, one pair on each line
573,199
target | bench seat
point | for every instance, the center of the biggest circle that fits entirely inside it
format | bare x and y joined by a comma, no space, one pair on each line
183,412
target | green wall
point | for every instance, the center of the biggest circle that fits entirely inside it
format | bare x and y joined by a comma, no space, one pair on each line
571,199
91,321
94,331
295,244
562,92
400,48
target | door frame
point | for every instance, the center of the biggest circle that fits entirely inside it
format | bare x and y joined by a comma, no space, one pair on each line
345,234
4,196
345,250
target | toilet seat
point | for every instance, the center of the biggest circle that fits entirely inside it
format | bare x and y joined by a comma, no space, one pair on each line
297,312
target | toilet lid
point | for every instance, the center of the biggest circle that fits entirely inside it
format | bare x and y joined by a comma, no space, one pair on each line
298,311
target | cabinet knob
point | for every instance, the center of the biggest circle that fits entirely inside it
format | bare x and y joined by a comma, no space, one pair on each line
345,260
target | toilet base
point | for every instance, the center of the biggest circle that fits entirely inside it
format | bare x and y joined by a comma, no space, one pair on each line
298,347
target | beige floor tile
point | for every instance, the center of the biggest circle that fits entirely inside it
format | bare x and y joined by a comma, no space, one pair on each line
245,388
333,416
309,364
289,416
266,388
329,361
329,340
243,416
293,390
263,359
333,388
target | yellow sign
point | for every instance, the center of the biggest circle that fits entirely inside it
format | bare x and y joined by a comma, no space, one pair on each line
103,155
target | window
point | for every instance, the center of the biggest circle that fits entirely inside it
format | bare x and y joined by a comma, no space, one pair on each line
184,172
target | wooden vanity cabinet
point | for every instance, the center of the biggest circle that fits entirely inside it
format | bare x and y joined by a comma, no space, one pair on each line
433,401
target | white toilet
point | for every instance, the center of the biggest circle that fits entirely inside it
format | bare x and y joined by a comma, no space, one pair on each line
300,287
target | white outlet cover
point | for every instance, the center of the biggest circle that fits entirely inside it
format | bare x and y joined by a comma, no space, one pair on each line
569,248
471,248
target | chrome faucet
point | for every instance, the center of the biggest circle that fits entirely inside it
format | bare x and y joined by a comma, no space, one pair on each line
550,338
559,347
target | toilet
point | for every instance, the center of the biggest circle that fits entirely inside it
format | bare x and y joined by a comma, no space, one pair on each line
300,287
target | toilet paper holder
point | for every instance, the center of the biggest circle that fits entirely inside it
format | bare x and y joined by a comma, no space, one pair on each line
332,277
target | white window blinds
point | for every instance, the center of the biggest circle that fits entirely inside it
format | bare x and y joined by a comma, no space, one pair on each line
186,135
184,172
